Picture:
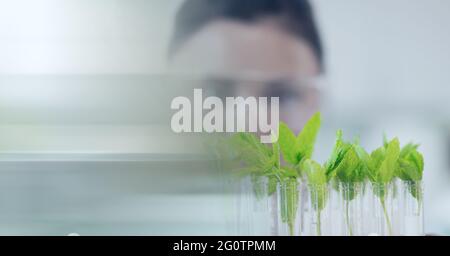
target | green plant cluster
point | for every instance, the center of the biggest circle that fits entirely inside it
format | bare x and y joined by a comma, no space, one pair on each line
288,162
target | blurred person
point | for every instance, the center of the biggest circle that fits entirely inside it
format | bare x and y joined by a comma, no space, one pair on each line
260,48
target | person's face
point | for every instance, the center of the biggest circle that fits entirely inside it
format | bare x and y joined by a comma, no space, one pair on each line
254,59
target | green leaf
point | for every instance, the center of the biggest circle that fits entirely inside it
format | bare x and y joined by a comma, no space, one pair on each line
376,158
410,169
383,166
276,154
337,155
410,164
345,171
332,162
307,138
407,171
287,142
387,169
417,158
315,172
317,180
408,149
348,162
364,160
252,153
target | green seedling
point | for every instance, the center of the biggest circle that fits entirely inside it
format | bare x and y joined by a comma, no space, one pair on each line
295,150
348,167
382,167
410,169
317,179
257,160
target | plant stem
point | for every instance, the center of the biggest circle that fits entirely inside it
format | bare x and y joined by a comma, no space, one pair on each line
386,216
347,218
318,224
419,206
291,228
292,196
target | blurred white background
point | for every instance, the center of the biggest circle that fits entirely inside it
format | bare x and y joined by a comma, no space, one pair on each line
387,69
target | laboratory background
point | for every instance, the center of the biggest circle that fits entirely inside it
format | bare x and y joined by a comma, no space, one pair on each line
85,89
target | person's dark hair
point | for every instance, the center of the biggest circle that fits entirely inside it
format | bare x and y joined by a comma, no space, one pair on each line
297,17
